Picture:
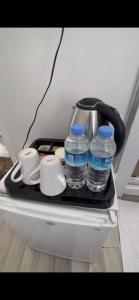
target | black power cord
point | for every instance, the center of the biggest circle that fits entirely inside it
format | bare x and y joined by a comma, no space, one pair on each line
51,77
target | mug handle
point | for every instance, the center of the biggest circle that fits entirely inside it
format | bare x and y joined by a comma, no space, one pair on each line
15,172
34,181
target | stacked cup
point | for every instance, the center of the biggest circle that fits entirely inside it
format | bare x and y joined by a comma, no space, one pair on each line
48,172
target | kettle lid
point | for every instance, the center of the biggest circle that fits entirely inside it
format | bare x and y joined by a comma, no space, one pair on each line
88,103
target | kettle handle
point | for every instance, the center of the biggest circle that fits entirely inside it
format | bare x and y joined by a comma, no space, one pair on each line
112,115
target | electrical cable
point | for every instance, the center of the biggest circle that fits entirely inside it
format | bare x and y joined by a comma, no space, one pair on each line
50,81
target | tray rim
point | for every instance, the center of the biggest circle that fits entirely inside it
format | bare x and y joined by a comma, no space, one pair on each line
57,202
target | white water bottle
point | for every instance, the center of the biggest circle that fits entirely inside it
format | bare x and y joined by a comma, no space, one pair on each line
76,156
102,150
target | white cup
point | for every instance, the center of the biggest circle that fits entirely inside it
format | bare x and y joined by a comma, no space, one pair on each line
52,180
28,161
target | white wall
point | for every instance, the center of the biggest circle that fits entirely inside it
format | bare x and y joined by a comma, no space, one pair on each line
131,155
92,62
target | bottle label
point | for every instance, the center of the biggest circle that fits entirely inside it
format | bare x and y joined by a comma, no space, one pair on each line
76,160
100,163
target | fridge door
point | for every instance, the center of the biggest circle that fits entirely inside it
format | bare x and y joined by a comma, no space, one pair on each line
70,233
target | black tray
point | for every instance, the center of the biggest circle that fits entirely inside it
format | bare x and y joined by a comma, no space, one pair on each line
82,197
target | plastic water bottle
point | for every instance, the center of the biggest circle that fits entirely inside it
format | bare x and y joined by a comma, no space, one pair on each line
102,150
76,156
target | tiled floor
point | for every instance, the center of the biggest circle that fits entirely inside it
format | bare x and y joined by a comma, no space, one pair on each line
16,256
129,234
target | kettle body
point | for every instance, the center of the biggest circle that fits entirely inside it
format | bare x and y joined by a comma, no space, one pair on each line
93,112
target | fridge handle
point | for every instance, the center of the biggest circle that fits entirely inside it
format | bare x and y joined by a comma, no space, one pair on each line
99,222
113,216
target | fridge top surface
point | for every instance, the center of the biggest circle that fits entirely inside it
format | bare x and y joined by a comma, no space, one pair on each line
74,215
65,214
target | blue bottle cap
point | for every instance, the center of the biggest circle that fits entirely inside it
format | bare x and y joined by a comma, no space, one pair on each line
77,129
105,131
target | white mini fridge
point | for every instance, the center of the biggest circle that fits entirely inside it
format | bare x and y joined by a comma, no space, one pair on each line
70,232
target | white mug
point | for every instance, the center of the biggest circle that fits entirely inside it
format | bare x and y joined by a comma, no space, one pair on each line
52,180
28,161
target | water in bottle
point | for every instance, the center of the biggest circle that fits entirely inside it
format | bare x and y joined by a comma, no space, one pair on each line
76,156
102,150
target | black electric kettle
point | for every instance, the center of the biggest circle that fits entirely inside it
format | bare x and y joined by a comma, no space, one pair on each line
93,113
